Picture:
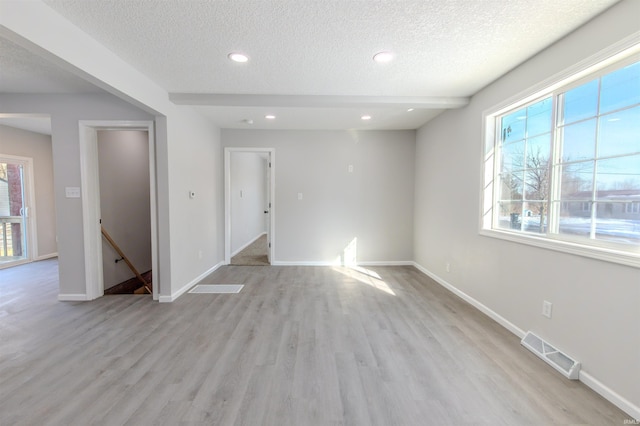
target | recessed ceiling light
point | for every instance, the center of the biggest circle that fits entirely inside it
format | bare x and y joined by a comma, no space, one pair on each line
270,117
410,109
382,57
238,57
366,117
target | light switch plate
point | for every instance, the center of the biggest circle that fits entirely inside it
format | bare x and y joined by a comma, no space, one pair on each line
72,192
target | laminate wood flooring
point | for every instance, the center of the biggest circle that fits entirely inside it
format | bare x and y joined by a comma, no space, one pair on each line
298,346
255,254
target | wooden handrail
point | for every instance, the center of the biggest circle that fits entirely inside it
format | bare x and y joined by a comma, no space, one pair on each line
126,259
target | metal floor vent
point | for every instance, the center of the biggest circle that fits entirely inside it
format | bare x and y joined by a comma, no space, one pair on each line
552,356
217,288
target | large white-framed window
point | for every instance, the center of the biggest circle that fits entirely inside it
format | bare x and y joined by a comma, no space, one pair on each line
562,165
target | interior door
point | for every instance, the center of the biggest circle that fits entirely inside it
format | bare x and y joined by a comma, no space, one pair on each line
14,211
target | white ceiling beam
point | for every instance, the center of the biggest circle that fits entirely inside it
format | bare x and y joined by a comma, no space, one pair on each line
320,101
36,27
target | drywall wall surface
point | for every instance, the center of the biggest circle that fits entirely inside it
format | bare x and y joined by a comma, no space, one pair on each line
66,111
196,224
37,146
123,157
339,194
248,198
595,303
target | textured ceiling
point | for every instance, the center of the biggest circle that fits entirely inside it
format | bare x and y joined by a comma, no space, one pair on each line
23,72
311,49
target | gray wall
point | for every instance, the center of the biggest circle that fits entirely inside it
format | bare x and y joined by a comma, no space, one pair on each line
37,146
66,111
595,303
373,204
248,198
123,158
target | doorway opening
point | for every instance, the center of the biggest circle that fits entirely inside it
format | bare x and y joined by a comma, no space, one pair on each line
123,168
17,211
249,206
119,206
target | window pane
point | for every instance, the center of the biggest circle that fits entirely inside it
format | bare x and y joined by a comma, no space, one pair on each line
579,141
539,118
534,217
513,156
620,88
613,223
619,133
511,187
580,103
538,151
577,181
618,177
510,216
537,184
575,218
513,126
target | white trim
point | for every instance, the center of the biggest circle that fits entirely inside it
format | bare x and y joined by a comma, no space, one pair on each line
30,222
386,263
47,256
6,265
90,187
482,308
72,297
338,263
227,199
619,53
186,287
305,263
91,200
564,246
586,378
610,395
248,244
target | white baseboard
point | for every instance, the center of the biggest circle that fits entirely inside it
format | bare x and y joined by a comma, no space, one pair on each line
304,263
611,396
186,287
387,263
482,308
248,244
72,297
590,381
336,263
46,256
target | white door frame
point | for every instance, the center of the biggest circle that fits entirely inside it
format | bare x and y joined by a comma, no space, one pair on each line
30,223
227,199
91,201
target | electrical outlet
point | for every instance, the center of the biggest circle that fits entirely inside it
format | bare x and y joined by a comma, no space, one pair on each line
448,266
199,254
546,309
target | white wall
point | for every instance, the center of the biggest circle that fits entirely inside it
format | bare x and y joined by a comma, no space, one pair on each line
248,198
196,225
37,146
595,303
123,158
373,204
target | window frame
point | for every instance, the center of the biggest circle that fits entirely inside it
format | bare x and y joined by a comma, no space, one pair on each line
616,57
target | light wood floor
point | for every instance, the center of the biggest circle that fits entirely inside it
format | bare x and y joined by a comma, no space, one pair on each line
298,346
255,254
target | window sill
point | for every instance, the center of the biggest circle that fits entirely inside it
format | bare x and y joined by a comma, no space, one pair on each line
621,257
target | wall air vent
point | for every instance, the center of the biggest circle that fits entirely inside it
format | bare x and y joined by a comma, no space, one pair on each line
552,356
